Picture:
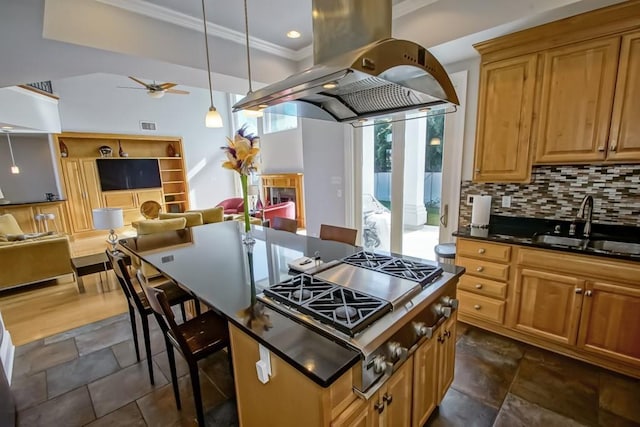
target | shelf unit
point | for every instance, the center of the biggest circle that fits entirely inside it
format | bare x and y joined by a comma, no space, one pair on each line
83,149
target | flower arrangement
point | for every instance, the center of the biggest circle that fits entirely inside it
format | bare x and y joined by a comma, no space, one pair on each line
241,152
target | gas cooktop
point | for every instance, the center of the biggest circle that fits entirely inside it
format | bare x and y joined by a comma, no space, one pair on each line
399,267
347,310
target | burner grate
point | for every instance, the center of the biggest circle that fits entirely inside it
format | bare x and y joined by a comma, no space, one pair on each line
398,267
298,290
345,309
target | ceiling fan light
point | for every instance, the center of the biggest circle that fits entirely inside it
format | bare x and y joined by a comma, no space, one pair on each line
156,93
213,118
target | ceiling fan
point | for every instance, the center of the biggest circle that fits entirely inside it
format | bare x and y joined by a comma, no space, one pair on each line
155,90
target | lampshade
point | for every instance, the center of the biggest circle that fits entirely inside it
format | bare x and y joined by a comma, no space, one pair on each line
253,190
213,118
107,218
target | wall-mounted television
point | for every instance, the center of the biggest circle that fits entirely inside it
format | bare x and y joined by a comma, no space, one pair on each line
128,174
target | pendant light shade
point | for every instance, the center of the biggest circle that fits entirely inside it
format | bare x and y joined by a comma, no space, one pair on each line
213,118
249,113
14,168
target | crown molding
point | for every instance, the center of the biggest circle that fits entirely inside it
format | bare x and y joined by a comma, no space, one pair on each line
171,16
164,14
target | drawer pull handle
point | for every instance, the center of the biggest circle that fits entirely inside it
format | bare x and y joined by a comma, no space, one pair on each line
588,293
477,306
579,291
479,286
481,251
480,269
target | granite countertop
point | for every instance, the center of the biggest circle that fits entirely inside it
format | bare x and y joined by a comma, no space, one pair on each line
521,231
39,202
210,261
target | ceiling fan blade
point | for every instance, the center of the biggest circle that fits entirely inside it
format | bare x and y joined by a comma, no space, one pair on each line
141,82
166,86
178,91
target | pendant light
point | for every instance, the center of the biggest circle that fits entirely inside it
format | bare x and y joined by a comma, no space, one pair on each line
14,168
213,118
249,113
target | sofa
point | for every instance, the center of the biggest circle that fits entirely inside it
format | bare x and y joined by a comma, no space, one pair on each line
283,210
234,205
30,258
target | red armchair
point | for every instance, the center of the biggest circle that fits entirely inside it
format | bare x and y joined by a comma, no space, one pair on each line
284,210
232,206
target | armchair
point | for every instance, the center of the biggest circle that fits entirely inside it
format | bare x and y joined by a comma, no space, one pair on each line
283,210
232,206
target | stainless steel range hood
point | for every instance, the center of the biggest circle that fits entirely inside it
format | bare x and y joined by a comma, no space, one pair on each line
359,70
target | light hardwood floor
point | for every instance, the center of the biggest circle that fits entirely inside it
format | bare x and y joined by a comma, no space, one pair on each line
55,306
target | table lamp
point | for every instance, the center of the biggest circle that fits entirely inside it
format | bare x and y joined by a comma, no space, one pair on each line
109,219
254,192
2,200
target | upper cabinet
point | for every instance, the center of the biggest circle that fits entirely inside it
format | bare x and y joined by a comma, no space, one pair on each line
624,137
562,93
575,106
505,113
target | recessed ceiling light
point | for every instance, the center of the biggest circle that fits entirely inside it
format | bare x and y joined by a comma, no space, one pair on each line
331,85
293,34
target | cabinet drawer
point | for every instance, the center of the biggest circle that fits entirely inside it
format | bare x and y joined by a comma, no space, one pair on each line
131,215
482,307
482,286
125,199
484,250
481,268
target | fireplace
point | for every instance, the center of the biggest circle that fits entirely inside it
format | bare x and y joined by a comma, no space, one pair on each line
285,187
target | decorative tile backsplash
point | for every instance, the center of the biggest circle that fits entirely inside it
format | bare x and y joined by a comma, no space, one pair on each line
555,192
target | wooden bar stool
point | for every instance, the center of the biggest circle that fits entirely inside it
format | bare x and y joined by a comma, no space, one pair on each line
285,224
338,234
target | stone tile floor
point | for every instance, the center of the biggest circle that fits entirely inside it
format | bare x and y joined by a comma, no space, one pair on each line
89,376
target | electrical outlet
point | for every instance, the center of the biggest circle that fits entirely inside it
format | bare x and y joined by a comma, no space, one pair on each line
506,201
470,199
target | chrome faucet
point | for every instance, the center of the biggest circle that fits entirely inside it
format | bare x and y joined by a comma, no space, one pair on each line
586,208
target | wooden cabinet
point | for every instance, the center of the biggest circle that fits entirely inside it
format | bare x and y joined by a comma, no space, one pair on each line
548,304
578,85
482,290
610,322
283,188
59,223
624,137
130,202
82,191
356,415
391,405
505,114
446,351
425,385
23,216
174,185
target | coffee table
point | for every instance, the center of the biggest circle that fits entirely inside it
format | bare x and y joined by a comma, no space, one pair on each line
91,264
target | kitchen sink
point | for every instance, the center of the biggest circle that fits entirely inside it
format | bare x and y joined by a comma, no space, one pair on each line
546,239
614,246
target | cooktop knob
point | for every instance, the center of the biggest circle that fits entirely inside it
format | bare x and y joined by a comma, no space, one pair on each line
396,351
443,311
450,302
422,330
379,364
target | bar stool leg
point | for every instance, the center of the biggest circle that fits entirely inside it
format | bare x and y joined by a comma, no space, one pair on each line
174,376
197,397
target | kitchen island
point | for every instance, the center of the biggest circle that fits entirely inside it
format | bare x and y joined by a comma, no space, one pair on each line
312,372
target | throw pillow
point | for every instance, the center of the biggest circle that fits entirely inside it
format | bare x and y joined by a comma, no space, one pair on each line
9,225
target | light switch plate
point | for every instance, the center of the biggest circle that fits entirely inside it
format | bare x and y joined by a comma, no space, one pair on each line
506,201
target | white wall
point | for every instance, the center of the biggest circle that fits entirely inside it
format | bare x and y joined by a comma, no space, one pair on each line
281,152
323,145
36,175
94,103
471,111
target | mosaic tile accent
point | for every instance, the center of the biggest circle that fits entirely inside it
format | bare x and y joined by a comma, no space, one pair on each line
555,192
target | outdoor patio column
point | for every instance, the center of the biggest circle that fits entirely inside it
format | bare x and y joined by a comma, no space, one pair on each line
415,214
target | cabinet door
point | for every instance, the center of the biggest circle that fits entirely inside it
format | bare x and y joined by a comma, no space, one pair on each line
624,139
610,323
76,195
425,384
356,415
548,305
59,222
91,185
145,195
446,355
377,409
398,396
505,112
577,95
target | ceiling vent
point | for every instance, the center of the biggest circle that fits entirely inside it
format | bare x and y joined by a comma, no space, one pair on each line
148,126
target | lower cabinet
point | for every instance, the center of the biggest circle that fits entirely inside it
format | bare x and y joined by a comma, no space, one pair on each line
25,216
610,322
446,356
391,405
425,389
548,304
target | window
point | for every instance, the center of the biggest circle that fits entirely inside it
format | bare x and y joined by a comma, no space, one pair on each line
241,119
273,122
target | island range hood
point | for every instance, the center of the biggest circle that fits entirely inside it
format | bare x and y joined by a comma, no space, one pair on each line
359,70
